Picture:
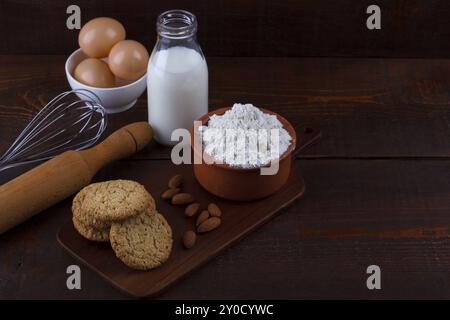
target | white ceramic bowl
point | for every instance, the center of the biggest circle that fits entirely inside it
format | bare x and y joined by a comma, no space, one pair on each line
115,99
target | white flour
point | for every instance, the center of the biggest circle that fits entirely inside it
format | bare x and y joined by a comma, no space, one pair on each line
244,137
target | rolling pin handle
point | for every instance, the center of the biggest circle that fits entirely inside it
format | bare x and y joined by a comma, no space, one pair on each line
121,144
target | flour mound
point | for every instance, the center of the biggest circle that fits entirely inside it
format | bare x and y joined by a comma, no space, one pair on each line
245,137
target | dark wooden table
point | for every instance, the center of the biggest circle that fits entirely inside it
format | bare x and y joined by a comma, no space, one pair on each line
377,185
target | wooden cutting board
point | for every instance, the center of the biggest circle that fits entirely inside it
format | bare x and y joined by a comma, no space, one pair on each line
238,219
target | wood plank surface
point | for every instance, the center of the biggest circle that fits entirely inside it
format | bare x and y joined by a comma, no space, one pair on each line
365,107
410,28
377,186
354,213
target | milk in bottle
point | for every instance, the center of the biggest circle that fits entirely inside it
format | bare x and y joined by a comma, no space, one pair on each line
177,77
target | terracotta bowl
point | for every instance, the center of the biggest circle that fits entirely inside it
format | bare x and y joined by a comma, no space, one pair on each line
242,184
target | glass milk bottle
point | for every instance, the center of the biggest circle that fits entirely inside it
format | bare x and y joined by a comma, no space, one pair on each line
177,76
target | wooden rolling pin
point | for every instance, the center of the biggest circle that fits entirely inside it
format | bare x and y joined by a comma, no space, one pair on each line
60,177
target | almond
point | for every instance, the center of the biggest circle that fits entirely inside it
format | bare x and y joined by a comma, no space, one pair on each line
191,209
182,198
168,194
189,238
175,181
214,210
209,225
204,215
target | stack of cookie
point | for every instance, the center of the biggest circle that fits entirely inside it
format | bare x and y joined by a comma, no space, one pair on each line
124,213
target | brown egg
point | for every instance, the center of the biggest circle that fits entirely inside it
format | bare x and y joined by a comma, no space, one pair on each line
95,73
99,35
128,60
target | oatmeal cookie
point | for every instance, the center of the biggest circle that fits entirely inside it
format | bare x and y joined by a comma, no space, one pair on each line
89,232
115,200
84,216
143,242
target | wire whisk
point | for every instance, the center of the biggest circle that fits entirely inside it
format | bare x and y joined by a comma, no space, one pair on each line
73,120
